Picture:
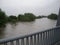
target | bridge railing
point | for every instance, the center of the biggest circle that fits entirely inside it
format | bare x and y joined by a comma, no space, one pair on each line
47,37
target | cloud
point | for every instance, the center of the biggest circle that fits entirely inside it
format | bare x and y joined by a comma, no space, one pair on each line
25,3
35,6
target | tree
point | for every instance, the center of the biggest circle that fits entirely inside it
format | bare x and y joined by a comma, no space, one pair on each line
30,15
52,16
26,17
12,18
3,18
19,17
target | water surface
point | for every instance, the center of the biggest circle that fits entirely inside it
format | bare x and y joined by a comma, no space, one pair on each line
23,28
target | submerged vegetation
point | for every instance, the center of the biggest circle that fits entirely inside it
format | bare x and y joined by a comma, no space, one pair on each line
26,17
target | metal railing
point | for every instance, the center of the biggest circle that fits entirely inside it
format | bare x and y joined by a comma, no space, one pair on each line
47,37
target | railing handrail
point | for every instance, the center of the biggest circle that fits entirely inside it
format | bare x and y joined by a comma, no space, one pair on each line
24,36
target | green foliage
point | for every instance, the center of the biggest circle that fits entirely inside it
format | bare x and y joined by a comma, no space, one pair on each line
3,18
52,16
12,18
26,17
19,17
30,16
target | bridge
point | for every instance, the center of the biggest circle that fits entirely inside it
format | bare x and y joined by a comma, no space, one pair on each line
47,37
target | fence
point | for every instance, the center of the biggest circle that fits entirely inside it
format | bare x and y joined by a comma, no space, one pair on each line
47,37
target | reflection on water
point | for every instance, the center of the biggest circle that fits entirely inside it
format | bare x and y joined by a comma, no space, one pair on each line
22,28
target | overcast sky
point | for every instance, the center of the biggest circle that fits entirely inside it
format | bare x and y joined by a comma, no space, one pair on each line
37,7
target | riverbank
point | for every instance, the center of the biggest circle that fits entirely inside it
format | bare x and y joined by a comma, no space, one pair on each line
26,17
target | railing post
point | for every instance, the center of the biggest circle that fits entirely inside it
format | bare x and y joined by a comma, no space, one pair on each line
46,37
27,41
11,43
31,40
41,40
38,39
17,42
55,34
5,43
22,41
34,39
49,37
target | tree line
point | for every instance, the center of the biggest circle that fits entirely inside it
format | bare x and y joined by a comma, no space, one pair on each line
26,17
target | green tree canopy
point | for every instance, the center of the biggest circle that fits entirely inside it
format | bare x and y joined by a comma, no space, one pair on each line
52,16
30,15
12,18
26,17
19,17
3,18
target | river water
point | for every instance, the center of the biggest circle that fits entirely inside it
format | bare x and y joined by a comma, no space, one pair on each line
23,28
